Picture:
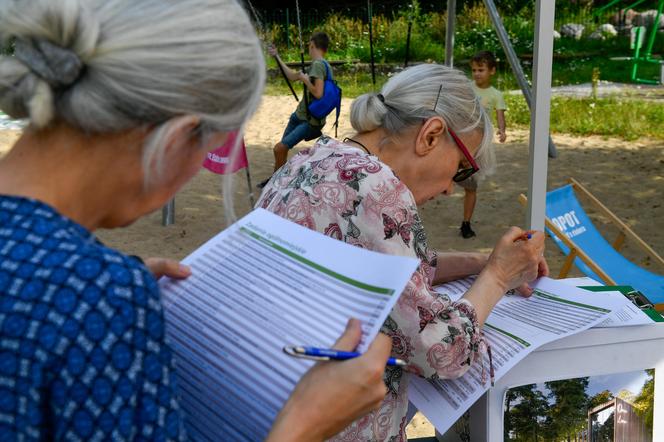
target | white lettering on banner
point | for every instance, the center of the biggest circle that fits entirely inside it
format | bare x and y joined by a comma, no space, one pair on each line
575,232
217,159
566,220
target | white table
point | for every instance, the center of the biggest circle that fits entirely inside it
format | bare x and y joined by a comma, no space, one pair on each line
594,352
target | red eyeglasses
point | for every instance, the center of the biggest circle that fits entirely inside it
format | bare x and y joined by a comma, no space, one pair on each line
463,173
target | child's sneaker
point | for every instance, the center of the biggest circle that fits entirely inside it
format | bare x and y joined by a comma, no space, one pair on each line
466,230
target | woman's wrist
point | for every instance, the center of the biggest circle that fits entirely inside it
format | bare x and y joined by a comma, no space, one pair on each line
485,292
295,424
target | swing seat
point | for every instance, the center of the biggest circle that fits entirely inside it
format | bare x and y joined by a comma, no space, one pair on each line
314,134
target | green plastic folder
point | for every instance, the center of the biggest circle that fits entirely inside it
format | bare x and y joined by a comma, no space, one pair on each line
638,298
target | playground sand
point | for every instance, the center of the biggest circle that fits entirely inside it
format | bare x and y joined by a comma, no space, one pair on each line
628,176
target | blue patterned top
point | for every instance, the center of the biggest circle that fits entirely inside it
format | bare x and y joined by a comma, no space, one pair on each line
82,344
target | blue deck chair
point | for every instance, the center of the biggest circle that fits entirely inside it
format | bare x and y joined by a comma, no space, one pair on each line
578,238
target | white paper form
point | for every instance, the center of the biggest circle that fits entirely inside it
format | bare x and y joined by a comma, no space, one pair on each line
259,285
515,327
630,314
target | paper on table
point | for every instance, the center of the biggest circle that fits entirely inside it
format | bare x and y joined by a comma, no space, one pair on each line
630,314
515,327
259,285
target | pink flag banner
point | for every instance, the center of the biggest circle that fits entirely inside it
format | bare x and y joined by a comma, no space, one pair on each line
223,160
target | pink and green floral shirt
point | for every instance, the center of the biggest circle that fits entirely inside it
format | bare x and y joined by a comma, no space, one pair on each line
343,192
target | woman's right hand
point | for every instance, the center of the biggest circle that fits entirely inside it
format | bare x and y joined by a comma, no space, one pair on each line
516,261
272,50
334,394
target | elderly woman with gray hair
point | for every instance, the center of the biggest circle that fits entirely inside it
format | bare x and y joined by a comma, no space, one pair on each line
124,98
425,131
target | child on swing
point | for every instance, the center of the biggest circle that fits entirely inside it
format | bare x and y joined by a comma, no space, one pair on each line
301,125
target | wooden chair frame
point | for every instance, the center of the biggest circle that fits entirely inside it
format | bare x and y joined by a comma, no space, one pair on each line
574,251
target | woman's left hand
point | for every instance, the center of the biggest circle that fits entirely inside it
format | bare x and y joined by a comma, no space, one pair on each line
167,267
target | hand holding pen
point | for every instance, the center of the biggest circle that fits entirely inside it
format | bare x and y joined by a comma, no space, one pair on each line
331,396
328,354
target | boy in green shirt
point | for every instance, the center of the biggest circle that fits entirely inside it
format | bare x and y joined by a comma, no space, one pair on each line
483,65
301,125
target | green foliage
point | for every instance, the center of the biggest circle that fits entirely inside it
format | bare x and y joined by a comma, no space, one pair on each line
625,118
522,421
600,399
574,60
645,400
568,413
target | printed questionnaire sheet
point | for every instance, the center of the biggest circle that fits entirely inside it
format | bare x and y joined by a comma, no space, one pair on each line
515,327
263,283
630,314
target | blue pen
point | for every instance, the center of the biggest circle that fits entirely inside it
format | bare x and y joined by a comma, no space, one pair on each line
524,237
326,354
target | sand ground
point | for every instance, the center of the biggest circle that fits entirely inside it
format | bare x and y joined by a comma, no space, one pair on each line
628,176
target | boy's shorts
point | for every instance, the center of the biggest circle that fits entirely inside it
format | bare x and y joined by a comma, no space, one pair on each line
469,183
298,130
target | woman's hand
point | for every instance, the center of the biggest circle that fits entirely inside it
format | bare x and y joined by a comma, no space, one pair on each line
272,50
516,261
334,394
167,267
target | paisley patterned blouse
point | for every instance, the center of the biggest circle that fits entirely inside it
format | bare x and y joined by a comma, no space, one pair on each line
343,192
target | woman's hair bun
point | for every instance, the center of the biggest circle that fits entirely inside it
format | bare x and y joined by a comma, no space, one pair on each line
368,112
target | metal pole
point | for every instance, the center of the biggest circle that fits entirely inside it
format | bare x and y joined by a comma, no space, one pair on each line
514,60
252,201
168,213
287,30
299,31
371,51
410,27
449,33
541,111
653,33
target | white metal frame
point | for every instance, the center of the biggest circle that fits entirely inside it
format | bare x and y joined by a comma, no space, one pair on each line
591,353
598,351
595,351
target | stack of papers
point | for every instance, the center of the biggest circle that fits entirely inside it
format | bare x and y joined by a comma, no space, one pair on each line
515,328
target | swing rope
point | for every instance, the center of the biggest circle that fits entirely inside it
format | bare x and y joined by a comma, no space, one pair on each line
299,31
259,24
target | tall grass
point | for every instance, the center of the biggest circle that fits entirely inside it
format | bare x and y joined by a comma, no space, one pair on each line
628,119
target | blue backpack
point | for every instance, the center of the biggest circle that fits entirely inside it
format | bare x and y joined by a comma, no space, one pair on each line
331,99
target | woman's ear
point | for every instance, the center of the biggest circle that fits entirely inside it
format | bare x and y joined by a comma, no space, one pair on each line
430,134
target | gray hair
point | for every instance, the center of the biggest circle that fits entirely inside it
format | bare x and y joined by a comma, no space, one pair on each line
421,92
144,62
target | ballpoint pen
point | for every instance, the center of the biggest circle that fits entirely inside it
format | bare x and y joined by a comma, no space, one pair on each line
326,354
524,237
